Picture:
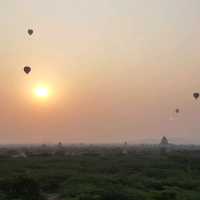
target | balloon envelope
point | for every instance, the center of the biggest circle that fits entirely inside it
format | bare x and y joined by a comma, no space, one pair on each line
177,110
27,69
196,95
30,31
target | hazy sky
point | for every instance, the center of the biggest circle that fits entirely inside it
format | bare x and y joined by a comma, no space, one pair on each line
116,70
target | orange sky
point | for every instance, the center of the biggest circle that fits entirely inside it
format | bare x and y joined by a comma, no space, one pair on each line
116,70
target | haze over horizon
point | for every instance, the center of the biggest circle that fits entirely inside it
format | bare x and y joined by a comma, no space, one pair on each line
115,71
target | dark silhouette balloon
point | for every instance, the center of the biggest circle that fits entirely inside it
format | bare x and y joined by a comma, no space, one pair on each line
30,31
196,95
177,110
27,69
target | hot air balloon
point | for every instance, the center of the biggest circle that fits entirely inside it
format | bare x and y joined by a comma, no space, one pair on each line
177,110
196,95
27,69
30,31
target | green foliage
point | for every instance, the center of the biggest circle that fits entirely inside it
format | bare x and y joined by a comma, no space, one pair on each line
145,176
20,187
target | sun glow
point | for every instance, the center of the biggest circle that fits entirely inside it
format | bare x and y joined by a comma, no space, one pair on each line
41,91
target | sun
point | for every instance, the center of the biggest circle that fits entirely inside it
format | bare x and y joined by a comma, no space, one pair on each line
41,91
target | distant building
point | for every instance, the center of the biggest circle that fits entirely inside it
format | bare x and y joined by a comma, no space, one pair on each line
19,155
164,145
164,141
125,150
60,150
60,145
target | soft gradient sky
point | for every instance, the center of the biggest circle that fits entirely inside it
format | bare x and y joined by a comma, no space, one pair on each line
117,70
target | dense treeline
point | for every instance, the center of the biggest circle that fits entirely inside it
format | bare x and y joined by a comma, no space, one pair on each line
144,176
